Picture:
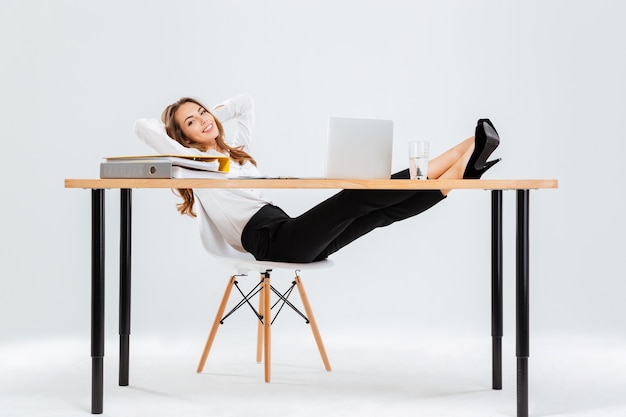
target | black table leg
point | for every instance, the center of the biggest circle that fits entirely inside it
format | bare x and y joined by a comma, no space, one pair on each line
522,301
97,300
125,282
496,288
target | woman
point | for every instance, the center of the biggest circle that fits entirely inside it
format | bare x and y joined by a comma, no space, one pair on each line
251,223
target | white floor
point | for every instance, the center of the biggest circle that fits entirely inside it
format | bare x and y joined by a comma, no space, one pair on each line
372,376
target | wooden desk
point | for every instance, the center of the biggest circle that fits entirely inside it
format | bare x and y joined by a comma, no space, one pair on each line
522,187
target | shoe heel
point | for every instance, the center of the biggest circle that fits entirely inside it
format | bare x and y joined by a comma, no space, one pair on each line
489,165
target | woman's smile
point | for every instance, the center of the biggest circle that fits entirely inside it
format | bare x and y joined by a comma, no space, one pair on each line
209,127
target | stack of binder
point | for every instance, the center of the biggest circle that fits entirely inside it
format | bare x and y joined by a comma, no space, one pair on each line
165,166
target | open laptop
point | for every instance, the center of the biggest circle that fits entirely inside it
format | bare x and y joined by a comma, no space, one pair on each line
359,148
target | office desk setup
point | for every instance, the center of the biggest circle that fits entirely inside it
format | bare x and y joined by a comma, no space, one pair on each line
521,187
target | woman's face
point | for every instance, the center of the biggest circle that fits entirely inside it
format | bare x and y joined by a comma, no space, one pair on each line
198,125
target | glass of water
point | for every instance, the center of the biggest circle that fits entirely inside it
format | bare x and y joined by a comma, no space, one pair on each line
418,159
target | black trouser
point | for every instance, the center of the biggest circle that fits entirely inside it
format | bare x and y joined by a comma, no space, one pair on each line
272,235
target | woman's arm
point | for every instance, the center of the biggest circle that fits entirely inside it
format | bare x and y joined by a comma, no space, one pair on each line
152,132
240,109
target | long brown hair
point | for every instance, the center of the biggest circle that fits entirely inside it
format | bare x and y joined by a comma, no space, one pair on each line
174,131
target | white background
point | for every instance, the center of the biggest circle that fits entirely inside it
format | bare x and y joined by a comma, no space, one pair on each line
549,74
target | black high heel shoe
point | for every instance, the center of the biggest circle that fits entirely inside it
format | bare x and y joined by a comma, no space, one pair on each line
486,140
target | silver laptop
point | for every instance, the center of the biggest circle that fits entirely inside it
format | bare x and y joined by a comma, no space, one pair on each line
359,148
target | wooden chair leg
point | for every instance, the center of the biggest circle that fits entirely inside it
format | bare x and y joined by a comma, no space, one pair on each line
313,323
216,324
264,331
267,324
259,333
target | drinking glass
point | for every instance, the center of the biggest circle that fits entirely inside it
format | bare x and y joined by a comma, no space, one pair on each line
418,159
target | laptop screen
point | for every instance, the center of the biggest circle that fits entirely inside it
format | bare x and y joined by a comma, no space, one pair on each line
359,148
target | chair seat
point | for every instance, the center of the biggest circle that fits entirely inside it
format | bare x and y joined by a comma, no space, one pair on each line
244,265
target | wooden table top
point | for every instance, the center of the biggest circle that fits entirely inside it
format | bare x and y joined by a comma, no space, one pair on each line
313,183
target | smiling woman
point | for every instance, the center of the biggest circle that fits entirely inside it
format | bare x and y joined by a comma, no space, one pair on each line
251,223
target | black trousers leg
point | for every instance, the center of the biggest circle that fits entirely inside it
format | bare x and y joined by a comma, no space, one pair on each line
334,223
384,217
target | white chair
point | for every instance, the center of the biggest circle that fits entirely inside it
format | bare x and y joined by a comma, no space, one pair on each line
243,263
